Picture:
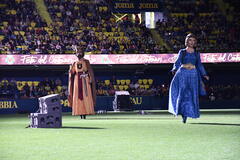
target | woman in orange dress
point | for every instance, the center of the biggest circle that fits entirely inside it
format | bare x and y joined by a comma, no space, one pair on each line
82,91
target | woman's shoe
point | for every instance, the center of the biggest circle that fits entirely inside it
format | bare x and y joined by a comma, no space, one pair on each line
184,119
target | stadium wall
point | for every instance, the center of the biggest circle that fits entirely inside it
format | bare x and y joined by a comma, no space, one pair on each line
105,103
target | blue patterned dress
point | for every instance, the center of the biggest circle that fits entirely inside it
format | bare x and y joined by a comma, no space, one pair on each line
186,85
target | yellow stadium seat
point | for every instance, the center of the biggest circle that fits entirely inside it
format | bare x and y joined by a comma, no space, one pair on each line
19,47
24,82
29,83
32,52
89,14
141,86
115,87
22,33
24,47
145,81
60,23
140,81
107,82
88,53
125,87
59,89
111,34
5,23
118,81
4,52
35,83
100,9
13,12
59,14
128,81
150,81
1,37
121,87
69,52
47,29
146,86
76,8
16,33
105,8
33,24
121,47
97,34
121,34
5,81
19,83
123,81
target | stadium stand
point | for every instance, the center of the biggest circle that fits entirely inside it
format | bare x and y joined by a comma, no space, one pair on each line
204,18
12,88
92,25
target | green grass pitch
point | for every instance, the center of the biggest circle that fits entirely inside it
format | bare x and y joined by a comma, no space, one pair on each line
124,136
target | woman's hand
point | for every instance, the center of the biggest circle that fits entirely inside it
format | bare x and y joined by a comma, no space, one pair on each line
206,77
173,72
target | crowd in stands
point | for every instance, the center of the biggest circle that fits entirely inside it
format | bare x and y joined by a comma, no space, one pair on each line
12,89
204,18
31,89
98,29
227,92
20,26
74,23
92,25
138,87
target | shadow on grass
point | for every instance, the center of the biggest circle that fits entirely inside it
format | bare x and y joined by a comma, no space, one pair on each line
127,118
70,127
220,124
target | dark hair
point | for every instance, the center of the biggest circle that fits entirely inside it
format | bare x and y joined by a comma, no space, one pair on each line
80,55
80,52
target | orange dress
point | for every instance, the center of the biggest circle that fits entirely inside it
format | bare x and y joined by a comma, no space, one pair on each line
82,91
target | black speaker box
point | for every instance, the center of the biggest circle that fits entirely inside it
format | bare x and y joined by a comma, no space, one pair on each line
123,103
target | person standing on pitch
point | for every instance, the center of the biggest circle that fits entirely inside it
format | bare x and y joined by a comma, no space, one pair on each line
81,86
187,85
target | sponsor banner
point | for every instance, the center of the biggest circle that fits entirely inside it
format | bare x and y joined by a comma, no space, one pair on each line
103,103
18,105
136,6
106,103
113,59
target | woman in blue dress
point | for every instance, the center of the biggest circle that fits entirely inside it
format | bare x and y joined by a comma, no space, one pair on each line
186,85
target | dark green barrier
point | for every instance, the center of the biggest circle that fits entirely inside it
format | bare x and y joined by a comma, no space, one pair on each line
106,103
18,105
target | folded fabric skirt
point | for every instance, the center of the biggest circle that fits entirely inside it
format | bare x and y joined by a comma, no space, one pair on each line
184,93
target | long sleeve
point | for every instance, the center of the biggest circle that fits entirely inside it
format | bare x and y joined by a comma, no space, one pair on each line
92,80
177,63
200,66
70,85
